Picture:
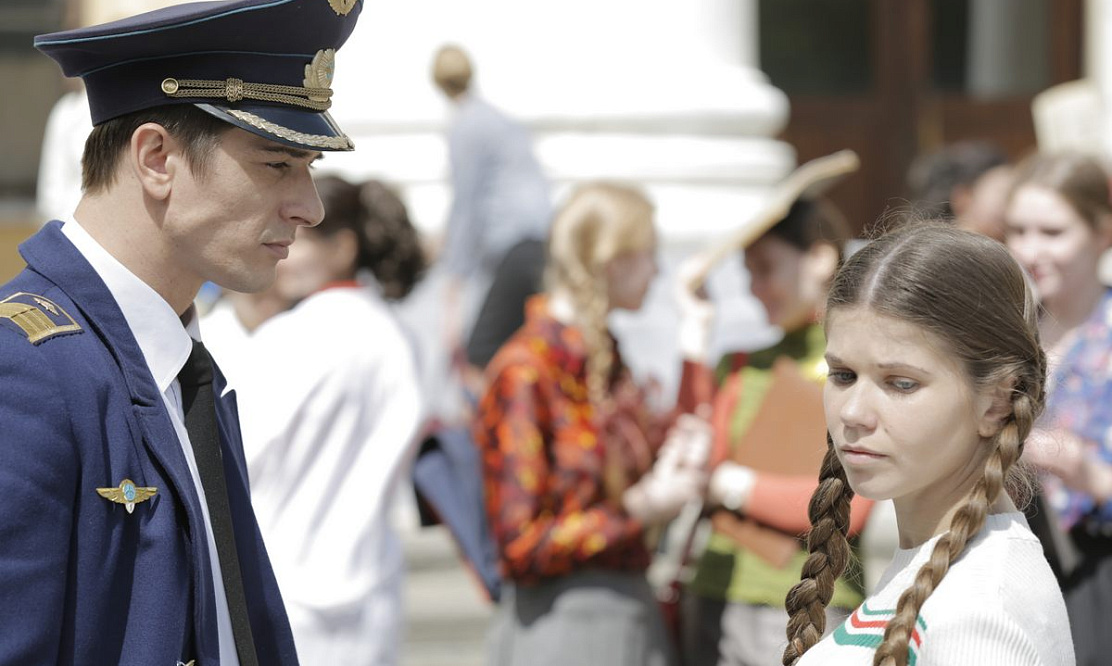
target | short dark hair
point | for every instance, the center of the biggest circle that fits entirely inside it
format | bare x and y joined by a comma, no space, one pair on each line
810,221
196,130
932,178
389,245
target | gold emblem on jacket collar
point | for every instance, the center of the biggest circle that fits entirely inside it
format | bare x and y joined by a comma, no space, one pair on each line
37,316
342,7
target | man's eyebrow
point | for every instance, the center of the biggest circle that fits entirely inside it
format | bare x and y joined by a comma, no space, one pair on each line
295,153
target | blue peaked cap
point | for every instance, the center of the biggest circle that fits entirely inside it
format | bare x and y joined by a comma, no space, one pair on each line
262,65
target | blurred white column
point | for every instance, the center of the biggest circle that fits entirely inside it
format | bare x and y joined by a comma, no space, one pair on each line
664,93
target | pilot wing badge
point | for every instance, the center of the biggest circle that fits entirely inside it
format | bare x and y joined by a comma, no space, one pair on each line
127,494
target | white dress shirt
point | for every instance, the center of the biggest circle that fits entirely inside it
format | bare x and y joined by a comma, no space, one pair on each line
166,344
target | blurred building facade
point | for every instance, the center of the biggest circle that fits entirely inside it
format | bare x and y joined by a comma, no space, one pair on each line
690,99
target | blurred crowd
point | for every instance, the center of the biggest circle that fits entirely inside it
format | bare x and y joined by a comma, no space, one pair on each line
579,484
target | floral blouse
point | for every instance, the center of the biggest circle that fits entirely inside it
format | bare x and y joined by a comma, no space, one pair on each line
1080,401
552,478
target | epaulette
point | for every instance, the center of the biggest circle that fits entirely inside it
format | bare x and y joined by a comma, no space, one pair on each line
38,317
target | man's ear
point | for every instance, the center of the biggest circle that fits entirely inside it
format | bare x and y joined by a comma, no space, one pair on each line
995,407
154,157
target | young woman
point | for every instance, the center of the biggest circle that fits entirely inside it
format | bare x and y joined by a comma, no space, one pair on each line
572,473
734,605
1059,223
936,378
330,433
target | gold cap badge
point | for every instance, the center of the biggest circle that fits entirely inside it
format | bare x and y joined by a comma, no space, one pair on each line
342,7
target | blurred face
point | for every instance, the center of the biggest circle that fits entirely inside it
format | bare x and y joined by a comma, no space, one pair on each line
983,206
315,260
905,419
790,283
1053,243
628,277
234,222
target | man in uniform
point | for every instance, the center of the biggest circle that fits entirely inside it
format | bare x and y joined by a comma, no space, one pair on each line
128,535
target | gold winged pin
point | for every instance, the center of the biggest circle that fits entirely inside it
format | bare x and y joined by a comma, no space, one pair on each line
127,494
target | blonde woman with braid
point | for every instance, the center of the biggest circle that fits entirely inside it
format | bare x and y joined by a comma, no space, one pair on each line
936,378
574,469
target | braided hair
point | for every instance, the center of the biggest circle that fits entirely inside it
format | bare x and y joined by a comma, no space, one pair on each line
968,291
599,222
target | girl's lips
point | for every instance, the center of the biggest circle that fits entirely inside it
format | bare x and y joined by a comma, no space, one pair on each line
858,456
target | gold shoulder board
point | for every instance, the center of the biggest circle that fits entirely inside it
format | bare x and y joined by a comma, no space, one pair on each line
37,316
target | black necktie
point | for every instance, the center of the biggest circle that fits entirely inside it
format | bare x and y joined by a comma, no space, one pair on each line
200,422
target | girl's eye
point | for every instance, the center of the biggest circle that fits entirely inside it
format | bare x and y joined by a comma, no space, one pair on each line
904,385
841,377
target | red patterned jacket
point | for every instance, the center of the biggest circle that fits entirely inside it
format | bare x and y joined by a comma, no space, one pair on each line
551,481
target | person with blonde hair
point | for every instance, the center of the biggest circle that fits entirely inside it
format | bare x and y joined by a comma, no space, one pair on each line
936,377
576,468
500,205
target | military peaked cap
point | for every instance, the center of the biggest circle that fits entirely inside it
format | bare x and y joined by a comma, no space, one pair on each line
263,65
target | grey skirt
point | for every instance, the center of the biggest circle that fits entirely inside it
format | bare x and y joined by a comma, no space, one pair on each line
588,618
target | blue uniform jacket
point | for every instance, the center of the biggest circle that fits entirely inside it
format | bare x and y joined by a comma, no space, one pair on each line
82,581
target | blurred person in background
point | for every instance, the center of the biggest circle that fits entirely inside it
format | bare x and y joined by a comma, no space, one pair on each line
733,609
500,209
967,181
574,466
1059,223
331,433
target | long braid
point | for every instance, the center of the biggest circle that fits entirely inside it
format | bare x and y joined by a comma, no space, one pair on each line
829,554
600,222
966,523
600,346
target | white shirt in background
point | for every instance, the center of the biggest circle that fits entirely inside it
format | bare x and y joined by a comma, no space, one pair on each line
330,407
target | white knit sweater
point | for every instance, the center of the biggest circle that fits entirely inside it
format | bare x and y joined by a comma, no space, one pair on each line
999,605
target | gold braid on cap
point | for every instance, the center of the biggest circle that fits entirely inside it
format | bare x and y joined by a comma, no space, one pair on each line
234,90
316,94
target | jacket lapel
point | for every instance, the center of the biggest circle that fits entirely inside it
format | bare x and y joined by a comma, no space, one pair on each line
51,254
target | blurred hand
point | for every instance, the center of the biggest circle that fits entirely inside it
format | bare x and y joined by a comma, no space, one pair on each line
661,494
1071,459
1056,451
696,309
451,327
730,485
688,442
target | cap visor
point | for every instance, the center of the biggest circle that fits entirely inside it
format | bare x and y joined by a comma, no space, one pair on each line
311,130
